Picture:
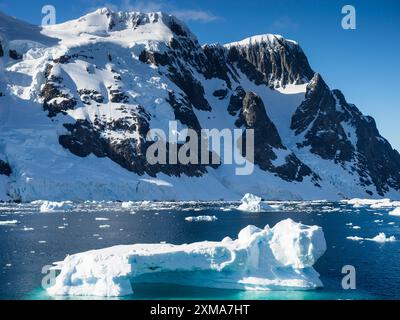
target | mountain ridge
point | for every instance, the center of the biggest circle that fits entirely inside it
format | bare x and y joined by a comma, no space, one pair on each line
88,102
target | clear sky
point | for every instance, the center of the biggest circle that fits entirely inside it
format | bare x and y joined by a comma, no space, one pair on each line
363,63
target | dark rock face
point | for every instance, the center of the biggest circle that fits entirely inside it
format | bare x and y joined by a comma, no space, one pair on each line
1,50
326,137
5,168
54,100
221,93
15,55
90,95
236,101
279,62
323,117
183,112
266,139
85,138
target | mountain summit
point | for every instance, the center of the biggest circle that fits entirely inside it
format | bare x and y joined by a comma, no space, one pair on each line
77,100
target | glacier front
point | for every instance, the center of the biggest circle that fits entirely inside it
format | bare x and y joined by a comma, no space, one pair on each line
278,258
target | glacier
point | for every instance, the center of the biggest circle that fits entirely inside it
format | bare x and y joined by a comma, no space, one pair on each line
278,258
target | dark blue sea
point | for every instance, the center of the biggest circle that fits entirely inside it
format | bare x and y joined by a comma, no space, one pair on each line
38,239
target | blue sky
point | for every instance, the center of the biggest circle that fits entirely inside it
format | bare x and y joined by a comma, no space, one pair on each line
363,63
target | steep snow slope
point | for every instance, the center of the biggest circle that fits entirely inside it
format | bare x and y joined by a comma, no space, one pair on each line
77,100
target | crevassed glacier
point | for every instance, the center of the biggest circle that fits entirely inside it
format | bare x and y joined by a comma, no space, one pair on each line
277,258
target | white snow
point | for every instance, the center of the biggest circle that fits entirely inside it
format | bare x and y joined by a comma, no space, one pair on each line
252,203
53,206
201,219
260,259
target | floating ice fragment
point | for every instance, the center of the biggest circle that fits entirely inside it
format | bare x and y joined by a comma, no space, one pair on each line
201,219
275,258
8,222
52,206
395,212
252,203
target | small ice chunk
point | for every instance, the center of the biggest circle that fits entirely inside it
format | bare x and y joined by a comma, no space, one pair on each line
252,203
8,222
354,238
356,227
395,212
102,219
104,226
53,206
382,238
201,219
127,204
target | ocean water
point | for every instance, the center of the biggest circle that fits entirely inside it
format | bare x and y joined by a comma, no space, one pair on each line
38,239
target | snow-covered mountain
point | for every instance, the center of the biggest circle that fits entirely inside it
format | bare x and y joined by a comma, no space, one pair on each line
78,98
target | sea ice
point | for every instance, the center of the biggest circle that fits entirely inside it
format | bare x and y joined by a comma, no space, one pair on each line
8,222
201,219
275,258
252,203
381,238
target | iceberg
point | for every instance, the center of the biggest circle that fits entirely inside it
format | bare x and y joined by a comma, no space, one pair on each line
252,203
395,212
382,238
277,258
52,206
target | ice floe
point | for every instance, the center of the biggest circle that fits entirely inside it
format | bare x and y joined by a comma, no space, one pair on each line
53,206
201,219
395,212
8,222
381,238
260,259
252,203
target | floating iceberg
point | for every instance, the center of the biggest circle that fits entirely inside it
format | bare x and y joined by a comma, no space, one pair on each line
201,219
275,258
395,212
52,206
382,238
252,203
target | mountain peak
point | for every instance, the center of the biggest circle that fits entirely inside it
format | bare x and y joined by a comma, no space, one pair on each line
121,26
271,39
